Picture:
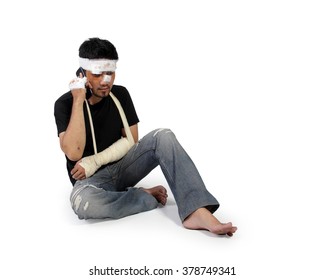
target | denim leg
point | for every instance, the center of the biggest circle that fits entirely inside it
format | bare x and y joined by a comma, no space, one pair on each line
97,198
160,147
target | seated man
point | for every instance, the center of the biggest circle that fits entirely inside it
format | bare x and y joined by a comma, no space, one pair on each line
98,131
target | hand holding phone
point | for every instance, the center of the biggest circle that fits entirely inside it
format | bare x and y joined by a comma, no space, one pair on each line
78,86
78,83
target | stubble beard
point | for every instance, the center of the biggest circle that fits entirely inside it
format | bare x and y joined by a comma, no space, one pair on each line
101,93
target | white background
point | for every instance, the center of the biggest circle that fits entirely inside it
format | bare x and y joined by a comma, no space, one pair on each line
241,83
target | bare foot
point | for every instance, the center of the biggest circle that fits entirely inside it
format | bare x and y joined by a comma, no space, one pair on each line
158,192
203,219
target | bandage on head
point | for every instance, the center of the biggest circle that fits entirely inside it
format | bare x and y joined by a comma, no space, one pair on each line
98,66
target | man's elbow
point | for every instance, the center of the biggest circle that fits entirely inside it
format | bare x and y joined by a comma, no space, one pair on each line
73,157
74,151
73,154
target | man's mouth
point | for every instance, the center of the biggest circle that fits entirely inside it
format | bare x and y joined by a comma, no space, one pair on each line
104,88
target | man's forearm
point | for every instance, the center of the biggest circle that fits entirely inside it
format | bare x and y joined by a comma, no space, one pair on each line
74,139
113,153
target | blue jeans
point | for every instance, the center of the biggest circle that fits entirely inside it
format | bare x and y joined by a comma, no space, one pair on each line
109,193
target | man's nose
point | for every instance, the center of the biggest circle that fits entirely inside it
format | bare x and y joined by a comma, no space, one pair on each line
106,79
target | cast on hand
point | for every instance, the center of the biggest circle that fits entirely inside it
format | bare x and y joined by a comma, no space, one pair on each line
113,153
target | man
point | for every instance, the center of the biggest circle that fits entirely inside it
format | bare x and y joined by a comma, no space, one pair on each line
98,131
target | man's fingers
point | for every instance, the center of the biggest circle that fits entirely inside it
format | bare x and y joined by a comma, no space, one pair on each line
78,175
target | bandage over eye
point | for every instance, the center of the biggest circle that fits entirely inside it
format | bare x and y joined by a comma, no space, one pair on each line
98,66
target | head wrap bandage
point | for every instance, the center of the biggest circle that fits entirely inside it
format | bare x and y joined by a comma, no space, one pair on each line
98,66
95,66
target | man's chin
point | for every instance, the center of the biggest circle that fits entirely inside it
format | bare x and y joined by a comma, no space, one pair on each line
102,93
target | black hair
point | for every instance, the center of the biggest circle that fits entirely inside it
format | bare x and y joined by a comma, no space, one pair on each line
95,48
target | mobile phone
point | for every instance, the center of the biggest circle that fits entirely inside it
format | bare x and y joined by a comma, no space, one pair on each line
83,73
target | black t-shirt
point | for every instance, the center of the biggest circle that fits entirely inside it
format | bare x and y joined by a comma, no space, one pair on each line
106,120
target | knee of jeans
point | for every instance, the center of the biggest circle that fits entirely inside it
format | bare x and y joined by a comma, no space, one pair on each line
165,135
80,202
80,205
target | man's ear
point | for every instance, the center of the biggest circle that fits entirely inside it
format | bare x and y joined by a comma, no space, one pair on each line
88,85
86,74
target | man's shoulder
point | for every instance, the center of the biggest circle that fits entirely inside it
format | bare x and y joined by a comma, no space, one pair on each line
66,97
121,93
119,90
63,103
